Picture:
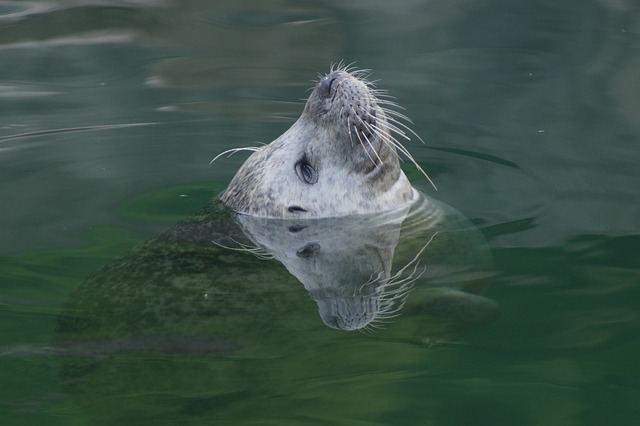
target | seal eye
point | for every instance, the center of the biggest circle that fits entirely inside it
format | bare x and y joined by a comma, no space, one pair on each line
305,172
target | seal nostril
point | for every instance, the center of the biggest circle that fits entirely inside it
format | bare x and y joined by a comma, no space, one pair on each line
325,84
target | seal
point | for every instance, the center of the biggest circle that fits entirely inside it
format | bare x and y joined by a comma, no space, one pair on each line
339,158
211,311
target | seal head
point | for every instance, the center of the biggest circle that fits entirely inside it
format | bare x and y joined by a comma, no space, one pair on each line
339,158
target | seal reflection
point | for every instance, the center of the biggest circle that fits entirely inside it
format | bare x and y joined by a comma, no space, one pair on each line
204,286
347,263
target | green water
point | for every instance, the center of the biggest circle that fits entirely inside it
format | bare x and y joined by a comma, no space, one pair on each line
111,111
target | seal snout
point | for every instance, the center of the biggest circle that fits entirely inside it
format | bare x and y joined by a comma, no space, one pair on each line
350,96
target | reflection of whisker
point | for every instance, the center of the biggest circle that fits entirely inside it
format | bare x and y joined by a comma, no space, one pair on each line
393,295
371,328
415,260
367,330
258,252
374,327
374,277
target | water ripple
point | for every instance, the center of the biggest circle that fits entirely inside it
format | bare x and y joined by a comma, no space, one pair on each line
74,130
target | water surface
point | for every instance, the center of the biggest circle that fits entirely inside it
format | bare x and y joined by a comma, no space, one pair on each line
110,112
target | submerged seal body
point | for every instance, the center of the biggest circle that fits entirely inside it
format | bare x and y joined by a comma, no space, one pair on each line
339,158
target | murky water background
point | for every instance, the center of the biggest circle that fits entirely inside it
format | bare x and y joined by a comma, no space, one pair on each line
111,110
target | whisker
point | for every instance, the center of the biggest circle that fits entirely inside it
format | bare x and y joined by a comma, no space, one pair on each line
370,146
405,127
342,66
364,147
387,138
391,126
391,114
234,150
383,93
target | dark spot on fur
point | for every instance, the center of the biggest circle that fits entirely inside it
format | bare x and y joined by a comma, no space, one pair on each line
293,209
308,251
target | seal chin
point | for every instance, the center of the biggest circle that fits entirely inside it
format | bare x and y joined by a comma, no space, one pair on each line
339,158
